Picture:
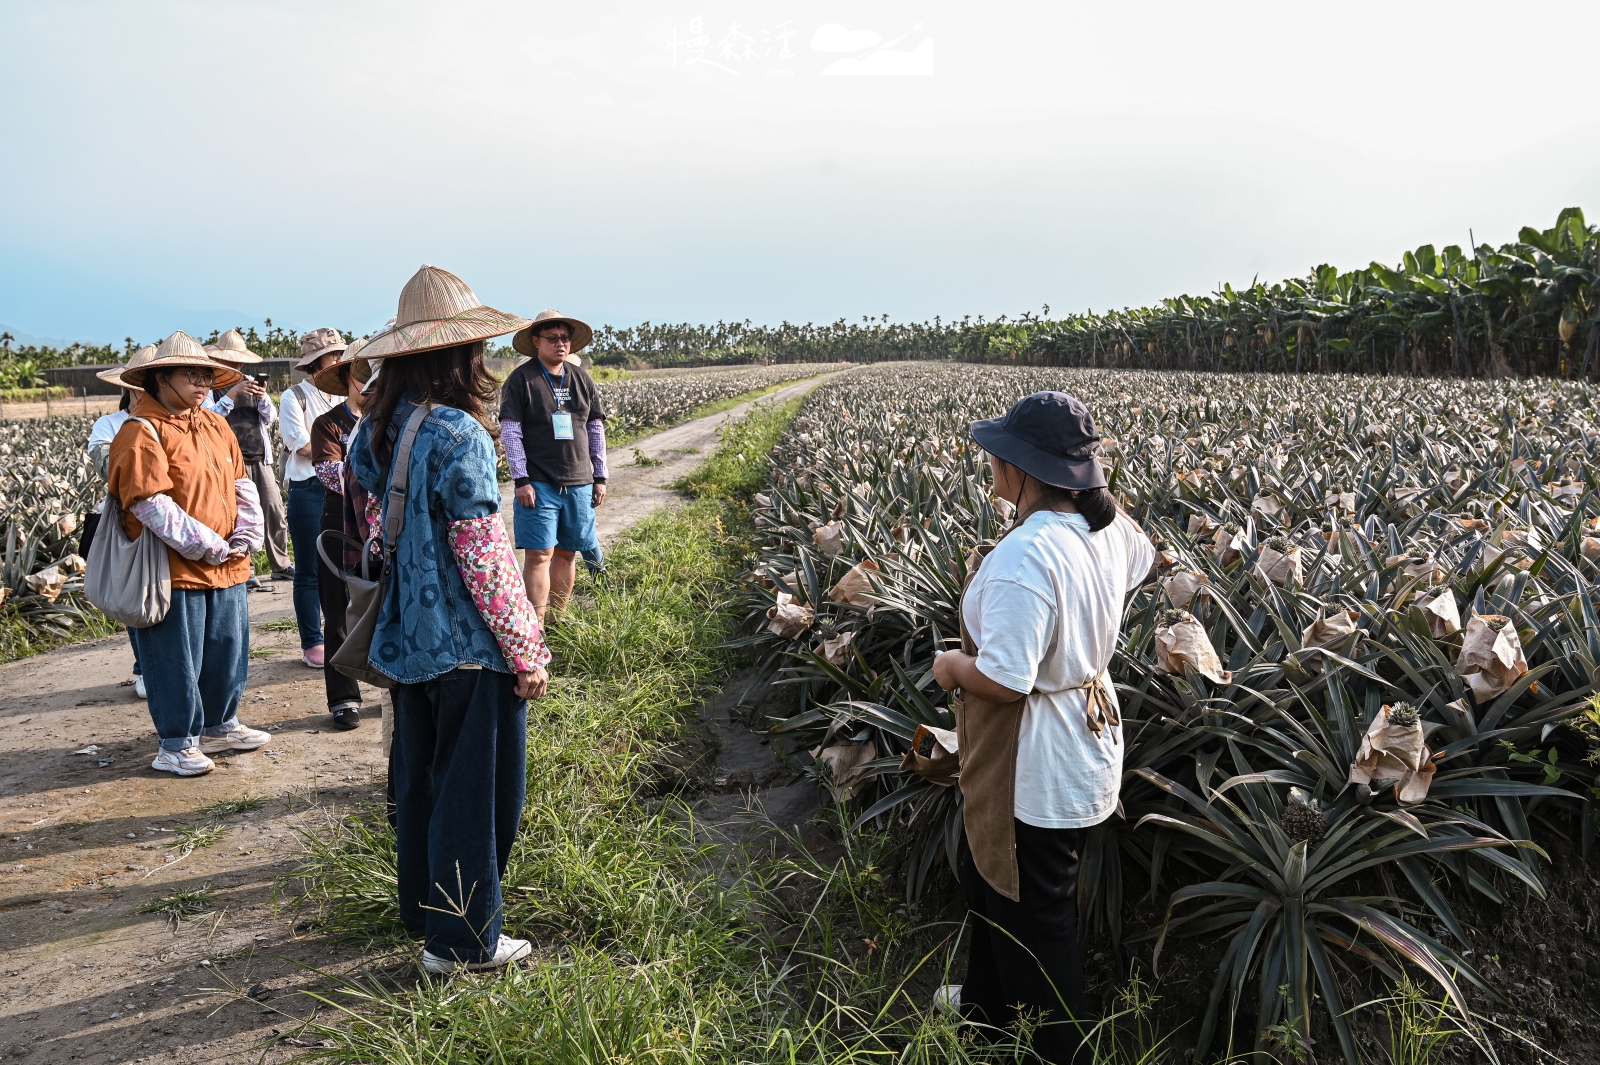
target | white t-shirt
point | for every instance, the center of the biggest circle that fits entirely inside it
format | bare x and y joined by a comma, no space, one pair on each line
1044,611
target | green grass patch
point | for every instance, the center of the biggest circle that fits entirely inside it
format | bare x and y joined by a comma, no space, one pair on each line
281,625
181,904
21,637
193,837
739,466
228,807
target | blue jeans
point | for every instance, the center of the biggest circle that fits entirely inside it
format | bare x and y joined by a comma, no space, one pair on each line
198,658
305,521
133,639
458,764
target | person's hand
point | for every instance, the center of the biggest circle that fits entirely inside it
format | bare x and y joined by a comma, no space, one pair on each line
235,551
252,388
944,669
527,496
243,385
599,493
532,684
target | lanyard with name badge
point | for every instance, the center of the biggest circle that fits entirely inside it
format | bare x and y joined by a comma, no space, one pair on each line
560,419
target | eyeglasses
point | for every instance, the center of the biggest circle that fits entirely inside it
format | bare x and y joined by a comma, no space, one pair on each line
556,338
200,377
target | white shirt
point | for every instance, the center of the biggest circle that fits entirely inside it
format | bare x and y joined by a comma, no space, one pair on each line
105,428
299,407
1044,611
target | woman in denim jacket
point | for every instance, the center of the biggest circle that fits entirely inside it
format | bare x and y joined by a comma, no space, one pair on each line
456,633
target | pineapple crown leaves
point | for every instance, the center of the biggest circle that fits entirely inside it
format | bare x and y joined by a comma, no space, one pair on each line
1170,617
1403,715
1279,543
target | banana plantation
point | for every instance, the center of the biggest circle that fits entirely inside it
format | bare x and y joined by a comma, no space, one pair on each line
1526,308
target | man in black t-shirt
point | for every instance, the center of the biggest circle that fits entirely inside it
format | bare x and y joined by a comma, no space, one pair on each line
553,426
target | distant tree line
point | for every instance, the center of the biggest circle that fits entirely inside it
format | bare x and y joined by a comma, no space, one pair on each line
1529,307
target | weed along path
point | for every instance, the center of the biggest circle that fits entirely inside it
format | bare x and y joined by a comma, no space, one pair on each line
137,917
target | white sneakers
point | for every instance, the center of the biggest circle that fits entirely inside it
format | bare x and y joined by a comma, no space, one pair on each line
192,761
947,999
506,951
138,688
189,762
242,738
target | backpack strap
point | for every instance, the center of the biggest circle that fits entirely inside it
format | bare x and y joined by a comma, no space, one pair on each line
148,425
394,511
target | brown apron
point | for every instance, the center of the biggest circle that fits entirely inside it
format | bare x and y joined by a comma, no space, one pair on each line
988,734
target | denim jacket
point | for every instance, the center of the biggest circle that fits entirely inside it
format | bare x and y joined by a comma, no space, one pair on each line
429,623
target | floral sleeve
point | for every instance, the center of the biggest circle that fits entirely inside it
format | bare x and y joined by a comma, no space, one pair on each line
331,474
490,571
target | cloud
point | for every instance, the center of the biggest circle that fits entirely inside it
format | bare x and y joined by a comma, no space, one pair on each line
833,37
887,63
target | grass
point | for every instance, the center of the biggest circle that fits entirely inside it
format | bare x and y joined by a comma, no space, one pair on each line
228,807
193,837
181,904
281,625
654,941
19,638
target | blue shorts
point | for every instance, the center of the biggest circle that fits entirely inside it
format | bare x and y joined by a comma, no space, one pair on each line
560,517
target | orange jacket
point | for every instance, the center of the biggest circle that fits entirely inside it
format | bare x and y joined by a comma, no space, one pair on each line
195,464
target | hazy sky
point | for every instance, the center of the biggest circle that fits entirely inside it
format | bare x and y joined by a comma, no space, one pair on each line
206,163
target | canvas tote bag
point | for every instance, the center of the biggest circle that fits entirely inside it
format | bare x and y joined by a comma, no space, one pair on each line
366,591
129,580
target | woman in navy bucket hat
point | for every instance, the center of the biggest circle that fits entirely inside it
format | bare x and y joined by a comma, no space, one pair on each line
1039,728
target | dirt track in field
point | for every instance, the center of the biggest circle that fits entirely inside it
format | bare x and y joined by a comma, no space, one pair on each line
88,839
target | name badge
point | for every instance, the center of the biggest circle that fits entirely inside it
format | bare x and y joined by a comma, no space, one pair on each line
562,422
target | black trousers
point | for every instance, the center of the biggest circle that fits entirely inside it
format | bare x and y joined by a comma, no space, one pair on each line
1025,953
331,593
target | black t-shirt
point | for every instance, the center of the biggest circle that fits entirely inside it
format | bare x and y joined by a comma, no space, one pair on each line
530,396
245,421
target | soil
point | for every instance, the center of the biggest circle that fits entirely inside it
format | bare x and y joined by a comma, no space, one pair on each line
92,837
58,408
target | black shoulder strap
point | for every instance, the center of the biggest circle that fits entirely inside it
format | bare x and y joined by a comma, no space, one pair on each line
394,513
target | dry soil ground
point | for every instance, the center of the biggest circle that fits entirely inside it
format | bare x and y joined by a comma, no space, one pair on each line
90,836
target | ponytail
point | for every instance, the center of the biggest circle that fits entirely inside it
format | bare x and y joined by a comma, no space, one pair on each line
1098,506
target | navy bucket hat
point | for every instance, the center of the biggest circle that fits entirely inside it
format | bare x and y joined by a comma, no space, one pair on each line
1050,436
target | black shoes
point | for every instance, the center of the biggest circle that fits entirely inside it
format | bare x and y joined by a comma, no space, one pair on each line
346,717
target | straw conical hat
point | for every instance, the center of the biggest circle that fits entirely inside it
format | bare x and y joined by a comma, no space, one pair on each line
139,358
581,333
438,310
178,351
230,346
327,378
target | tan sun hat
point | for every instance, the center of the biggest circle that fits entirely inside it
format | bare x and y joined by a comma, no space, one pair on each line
178,351
230,347
317,343
327,378
581,333
438,310
139,358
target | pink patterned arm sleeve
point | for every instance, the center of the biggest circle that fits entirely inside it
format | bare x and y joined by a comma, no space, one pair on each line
249,531
331,474
174,527
490,571
374,515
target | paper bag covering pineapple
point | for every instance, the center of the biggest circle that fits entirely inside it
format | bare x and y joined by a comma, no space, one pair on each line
1183,648
1393,751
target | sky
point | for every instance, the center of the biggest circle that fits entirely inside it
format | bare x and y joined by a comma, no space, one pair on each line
208,163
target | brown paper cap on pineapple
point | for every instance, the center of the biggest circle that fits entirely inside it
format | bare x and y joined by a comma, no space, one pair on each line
180,351
139,358
438,310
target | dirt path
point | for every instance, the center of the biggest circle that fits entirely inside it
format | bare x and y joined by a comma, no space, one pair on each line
90,840
59,408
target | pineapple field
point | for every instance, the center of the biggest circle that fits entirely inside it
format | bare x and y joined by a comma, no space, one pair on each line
1357,690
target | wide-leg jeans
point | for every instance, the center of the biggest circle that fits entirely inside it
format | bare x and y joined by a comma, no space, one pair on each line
458,765
196,662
